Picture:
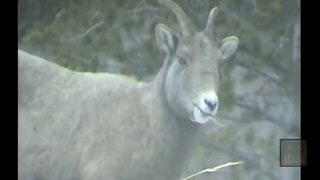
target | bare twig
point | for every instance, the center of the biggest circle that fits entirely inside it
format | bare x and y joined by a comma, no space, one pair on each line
287,127
210,170
210,144
257,71
86,36
233,119
274,64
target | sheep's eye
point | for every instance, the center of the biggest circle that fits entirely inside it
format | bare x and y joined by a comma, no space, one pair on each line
183,61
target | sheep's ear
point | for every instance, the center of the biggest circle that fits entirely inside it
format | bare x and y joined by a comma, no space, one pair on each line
165,38
229,45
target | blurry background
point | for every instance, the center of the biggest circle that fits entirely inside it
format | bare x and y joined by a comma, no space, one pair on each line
260,91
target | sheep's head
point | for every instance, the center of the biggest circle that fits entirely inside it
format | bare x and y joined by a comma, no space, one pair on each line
192,66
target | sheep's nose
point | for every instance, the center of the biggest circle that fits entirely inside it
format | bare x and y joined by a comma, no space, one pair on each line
211,104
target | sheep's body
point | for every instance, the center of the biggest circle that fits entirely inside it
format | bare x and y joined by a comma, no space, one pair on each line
99,126
87,126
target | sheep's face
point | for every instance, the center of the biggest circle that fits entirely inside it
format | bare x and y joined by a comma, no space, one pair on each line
192,80
192,76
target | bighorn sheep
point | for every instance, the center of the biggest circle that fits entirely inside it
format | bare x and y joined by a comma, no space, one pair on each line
75,125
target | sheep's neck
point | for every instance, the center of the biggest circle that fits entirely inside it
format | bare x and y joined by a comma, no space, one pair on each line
179,133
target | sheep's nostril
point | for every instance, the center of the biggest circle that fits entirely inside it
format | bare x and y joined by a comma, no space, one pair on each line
211,105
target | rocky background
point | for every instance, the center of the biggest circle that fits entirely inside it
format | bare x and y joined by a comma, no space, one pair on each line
260,91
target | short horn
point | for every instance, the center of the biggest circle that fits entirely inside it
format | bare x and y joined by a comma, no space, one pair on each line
186,27
208,31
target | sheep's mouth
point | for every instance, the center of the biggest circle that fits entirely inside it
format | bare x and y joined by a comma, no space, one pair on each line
200,116
202,111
